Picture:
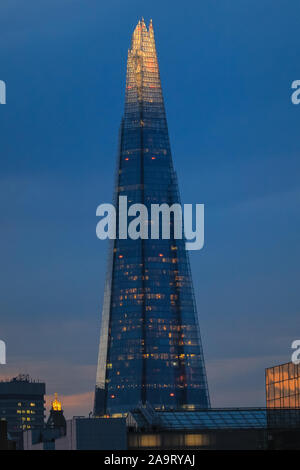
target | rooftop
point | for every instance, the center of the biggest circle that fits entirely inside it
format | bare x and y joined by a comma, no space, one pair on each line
215,418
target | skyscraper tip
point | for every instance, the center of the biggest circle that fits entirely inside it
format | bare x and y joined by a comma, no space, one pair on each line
141,23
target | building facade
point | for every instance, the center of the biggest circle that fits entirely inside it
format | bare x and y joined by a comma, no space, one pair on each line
283,386
94,434
150,347
22,404
43,438
5,442
214,429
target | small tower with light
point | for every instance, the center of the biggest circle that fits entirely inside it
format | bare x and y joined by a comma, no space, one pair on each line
56,419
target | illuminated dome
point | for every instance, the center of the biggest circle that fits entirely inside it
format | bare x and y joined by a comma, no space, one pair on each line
56,405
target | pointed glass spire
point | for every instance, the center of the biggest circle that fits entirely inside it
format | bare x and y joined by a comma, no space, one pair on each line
150,346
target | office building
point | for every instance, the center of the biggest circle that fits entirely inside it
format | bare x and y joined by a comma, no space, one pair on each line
22,404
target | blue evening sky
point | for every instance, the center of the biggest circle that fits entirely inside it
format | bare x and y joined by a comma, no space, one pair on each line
226,69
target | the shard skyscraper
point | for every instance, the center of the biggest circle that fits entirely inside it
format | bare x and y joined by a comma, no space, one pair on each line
150,346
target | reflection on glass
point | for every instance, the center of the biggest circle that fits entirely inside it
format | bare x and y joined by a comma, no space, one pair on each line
283,386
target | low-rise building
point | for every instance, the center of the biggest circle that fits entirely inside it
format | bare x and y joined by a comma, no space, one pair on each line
94,434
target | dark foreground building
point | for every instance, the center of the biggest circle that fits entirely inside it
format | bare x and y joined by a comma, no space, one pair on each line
216,429
22,405
5,442
150,346
94,434
44,438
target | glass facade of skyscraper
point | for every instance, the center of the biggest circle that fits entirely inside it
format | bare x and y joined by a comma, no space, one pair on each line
150,346
283,386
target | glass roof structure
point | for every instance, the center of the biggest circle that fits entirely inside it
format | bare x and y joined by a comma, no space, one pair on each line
214,419
229,418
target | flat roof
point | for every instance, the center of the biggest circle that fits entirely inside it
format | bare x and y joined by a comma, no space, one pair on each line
220,418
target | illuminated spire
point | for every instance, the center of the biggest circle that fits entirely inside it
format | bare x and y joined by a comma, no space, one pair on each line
56,405
143,80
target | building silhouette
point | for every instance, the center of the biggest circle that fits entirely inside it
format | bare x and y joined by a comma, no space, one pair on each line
22,405
150,347
56,418
44,438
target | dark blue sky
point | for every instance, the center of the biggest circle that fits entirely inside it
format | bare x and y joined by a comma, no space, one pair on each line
226,69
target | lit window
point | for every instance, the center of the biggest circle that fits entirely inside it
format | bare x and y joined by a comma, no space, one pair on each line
150,440
192,440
